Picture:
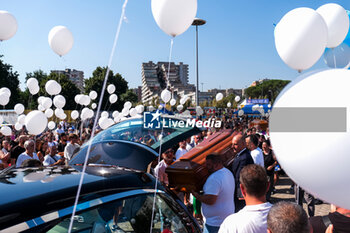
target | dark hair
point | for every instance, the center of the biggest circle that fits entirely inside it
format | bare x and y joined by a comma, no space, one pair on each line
287,217
215,158
254,139
268,143
254,179
31,163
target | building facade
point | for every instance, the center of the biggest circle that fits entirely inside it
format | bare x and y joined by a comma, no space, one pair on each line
75,76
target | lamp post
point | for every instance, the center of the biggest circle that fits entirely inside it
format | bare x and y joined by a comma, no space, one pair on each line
197,22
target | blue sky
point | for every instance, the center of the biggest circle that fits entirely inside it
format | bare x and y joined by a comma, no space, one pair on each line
236,46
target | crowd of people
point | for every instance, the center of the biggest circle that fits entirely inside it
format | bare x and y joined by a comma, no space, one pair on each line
234,199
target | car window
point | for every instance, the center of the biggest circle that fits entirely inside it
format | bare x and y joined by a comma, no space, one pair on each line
131,214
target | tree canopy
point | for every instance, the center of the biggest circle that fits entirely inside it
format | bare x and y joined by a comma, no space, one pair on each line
268,89
9,79
121,88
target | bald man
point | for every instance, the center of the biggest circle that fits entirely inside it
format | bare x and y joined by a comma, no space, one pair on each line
242,159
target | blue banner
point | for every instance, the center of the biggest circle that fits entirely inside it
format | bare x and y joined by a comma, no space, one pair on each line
257,101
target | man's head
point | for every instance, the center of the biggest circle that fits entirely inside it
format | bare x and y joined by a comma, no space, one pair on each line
238,143
196,138
63,137
252,142
182,144
53,150
168,156
5,144
29,146
73,138
254,182
287,217
213,163
22,139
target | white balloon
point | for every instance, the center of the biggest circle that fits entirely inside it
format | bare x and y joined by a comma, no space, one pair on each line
316,147
165,95
41,108
74,114
77,98
93,95
34,90
47,103
240,112
115,114
8,25
61,40
63,116
179,107
113,98
4,99
104,114
116,119
127,105
35,122
125,111
160,107
338,57
219,96
199,111
184,99
19,108
337,21
237,98
84,114
6,91
18,126
59,101
51,125
140,109
48,112
133,112
93,106
52,87
300,38
174,17
111,88
5,130
41,99
32,83
229,104
21,119
151,109
172,102
59,112
85,100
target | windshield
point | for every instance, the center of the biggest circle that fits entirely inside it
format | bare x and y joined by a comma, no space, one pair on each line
133,130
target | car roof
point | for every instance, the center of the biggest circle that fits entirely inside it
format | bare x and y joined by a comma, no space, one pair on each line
30,192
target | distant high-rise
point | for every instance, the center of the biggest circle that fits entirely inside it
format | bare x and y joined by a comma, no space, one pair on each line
75,76
155,79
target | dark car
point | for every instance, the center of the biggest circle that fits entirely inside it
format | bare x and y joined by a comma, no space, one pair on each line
117,194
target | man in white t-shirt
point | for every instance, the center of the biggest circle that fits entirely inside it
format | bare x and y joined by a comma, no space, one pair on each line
256,153
29,146
72,145
253,217
217,200
53,159
182,150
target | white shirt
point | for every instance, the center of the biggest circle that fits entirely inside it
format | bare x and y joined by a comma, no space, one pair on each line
69,149
48,160
159,172
188,147
250,219
258,156
180,152
23,157
222,184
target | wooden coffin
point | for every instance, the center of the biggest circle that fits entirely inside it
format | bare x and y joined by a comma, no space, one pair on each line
189,172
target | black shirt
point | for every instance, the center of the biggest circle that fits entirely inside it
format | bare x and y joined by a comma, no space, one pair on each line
268,161
61,147
16,151
341,223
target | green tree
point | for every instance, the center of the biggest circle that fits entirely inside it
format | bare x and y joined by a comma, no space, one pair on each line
96,82
268,89
129,95
9,79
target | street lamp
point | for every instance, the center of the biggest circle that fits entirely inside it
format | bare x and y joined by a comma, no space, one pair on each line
197,22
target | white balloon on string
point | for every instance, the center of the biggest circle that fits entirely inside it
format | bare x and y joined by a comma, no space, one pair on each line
127,105
93,106
52,87
237,98
165,95
172,102
60,40
19,108
48,112
113,98
93,95
8,25
18,126
219,96
74,114
111,88
35,122
5,130
179,107
104,114
21,119
51,125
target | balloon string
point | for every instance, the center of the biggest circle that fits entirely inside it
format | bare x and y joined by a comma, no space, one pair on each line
171,50
156,175
97,113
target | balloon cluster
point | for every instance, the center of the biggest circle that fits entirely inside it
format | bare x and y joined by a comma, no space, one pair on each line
303,34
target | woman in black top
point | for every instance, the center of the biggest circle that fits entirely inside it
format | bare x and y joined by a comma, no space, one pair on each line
270,163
